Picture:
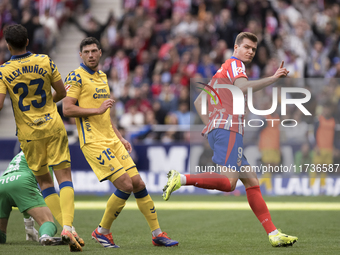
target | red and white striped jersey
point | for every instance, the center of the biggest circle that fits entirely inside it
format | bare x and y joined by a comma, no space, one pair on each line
221,115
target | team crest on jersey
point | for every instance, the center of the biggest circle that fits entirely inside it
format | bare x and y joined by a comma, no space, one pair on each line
67,87
239,162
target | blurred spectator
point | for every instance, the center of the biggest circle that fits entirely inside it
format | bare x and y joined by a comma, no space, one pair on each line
168,99
116,85
183,114
299,133
207,69
93,27
302,157
51,30
317,61
132,117
120,62
172,134
156,85
141,103
31,23
159,112
324,131
225,28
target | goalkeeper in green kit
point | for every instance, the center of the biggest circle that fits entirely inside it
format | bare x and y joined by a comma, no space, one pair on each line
18,188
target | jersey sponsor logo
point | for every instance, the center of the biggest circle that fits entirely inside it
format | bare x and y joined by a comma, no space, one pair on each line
125,156
239,162
40,121
101,93
12,178
87,124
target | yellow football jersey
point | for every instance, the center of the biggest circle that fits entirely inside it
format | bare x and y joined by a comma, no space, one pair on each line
28,80
91,89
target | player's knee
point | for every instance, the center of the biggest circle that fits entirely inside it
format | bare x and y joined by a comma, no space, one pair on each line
138,186
127,186
232,185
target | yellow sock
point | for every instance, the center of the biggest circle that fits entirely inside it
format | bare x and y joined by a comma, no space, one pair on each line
147,207
67,202
52,200
114,206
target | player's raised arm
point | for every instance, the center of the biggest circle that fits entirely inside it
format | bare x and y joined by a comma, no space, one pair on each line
244,84
70,109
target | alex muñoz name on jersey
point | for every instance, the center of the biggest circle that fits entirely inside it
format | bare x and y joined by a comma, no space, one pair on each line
101,93
25,69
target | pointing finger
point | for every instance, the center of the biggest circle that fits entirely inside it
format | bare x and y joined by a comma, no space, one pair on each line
282,64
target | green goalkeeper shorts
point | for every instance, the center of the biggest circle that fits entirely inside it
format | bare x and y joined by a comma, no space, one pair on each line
19,189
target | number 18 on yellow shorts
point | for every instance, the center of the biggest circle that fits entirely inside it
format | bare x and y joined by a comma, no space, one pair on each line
109,158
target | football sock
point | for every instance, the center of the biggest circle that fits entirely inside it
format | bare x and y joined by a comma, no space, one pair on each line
114,206
103,231
156,232
69,228
67,202
259,207
183,179
209,181
273,233
147,207
52,200
48,228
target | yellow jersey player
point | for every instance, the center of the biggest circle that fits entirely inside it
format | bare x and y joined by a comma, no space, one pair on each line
28,79
88,99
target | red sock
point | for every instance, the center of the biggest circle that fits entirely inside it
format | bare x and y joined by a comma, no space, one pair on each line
259,207
209,181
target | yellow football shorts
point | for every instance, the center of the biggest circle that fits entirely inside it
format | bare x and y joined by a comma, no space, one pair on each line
325,156
271,157
109,158
49,151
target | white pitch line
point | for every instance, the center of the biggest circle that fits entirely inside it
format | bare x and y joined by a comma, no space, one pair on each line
285,206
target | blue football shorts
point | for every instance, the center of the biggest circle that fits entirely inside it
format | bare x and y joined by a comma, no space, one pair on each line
228,148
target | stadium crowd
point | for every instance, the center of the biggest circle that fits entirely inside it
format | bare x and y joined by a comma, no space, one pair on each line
156,47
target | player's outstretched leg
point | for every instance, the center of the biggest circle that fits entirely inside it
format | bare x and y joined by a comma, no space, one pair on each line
203,180
281,239
173,184
147,207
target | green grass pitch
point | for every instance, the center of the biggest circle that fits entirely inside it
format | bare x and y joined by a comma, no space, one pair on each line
199,231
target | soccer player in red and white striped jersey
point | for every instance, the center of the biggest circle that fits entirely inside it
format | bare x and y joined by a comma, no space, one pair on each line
226,140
